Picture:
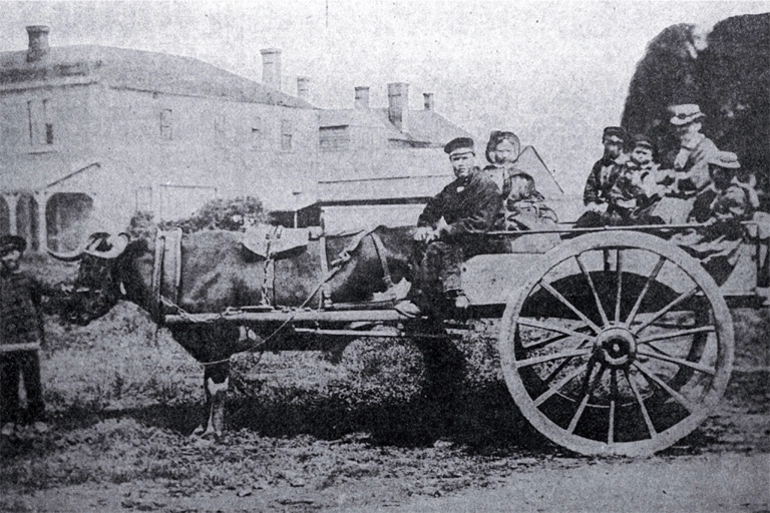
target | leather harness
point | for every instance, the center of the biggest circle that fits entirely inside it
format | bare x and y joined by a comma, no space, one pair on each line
167,269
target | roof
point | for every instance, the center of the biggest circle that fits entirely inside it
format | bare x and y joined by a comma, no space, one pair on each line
140,70
427,126
424,126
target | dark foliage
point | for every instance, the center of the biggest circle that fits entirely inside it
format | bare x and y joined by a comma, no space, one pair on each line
230,214
729,79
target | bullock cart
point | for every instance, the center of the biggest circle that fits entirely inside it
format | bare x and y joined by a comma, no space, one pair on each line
613,342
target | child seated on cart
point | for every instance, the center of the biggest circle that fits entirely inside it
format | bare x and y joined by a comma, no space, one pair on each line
524,206
634,193
720,208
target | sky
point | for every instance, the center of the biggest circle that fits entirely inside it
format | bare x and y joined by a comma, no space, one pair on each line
555,73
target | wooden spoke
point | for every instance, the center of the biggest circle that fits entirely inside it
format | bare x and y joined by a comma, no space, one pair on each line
657,349
587,397
681,362
619,278
676,334
591,285
558,386
642,407
660,313
537,344
692,408
613,396
653,276
561,366
555,293
552,327
554,356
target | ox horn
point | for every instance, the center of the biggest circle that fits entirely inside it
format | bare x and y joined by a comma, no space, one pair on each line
117,243
71,256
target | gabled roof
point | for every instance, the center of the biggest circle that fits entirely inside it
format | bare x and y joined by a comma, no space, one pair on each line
140,70
423,126
427,126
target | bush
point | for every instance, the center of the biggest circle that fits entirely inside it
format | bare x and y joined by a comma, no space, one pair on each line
232,214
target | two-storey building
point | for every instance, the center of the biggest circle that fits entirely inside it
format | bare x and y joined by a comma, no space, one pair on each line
91,134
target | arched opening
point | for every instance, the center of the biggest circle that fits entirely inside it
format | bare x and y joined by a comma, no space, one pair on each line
66,217
5,217
27,221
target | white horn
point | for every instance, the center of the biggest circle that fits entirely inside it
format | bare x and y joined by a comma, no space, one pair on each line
67,257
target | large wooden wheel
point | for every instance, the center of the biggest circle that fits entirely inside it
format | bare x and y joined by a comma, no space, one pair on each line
616,343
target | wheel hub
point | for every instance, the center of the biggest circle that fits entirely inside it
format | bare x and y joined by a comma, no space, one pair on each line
615,346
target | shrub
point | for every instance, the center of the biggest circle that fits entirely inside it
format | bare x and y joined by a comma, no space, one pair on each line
232,214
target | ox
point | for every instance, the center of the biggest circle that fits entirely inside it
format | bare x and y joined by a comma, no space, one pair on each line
216,274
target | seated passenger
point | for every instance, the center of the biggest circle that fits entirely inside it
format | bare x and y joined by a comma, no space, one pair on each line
502,152
447,233
524,207
687,169
633,193
720,207
603,175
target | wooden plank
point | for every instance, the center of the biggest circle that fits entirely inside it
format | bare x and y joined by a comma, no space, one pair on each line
27,346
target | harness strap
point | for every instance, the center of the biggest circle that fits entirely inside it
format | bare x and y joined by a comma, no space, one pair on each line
157,278
166,271
325,299
380,247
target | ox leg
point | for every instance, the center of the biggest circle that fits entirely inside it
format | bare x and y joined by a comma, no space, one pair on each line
216,381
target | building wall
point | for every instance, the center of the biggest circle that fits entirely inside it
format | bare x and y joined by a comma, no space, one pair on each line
130,150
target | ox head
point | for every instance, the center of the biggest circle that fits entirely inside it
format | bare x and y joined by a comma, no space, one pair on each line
98,286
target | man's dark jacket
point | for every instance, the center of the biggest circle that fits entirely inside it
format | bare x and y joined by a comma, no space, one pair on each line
468,206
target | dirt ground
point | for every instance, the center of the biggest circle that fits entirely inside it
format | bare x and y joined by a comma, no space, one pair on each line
306,449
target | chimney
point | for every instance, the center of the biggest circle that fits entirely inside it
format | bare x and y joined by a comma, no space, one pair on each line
303,88
398,105
271,67
362,97
428,100
38,42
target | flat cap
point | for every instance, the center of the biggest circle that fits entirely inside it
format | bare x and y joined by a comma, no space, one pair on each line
725,159
459,145
644,141
10,242
615,131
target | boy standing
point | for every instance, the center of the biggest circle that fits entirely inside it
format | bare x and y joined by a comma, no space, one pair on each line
21,336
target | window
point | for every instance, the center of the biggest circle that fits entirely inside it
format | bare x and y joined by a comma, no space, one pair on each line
256,134
219,127
165,125
286,134
39,123
48,124
333,138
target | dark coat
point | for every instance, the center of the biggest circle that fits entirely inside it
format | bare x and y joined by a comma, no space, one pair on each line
468,206
601,179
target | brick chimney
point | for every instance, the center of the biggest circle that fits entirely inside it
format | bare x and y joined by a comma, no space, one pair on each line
428,100
362,97
271,67
398,105
303,88
38,42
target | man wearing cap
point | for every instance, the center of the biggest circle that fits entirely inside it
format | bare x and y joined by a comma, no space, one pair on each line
21,335
720,206
605,170
448,230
